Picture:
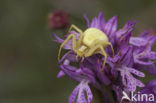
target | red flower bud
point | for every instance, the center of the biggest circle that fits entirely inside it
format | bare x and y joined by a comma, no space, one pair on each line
58,19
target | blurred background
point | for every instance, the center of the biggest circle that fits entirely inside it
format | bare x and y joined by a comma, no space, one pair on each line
28,56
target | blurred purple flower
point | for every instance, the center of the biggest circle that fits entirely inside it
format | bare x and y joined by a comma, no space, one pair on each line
58,19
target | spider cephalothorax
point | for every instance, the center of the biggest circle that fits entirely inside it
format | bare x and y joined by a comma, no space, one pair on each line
91,41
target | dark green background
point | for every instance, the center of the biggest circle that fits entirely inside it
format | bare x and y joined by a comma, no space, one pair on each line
28,57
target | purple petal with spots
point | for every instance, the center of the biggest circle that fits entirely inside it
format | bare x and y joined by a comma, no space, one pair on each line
89,94
73,95
80,91
129,81
148,55
81,97
131,86
136,72
139,83
123,78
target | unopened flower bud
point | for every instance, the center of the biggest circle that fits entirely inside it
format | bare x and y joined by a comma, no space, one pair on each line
58,19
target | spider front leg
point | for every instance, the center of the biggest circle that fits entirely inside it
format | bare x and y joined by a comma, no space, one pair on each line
105,55
111,47
66,40
82,59
78,30
75,27
105,44
93,50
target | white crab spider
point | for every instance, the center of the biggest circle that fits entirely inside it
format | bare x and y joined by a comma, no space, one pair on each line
90,42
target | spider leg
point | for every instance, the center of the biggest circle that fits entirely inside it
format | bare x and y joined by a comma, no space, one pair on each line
77,57
82,59
105,43
75,27
80,39
105,55
79,30
66,40
111,47
93,50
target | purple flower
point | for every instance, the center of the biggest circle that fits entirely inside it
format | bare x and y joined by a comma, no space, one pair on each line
80,76
121,73
80,91
85,77
143,53
123,62
144,57
129,80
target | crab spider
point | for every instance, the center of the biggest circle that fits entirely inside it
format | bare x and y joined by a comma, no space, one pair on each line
91,41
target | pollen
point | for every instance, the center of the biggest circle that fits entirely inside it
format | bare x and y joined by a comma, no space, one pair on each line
93,34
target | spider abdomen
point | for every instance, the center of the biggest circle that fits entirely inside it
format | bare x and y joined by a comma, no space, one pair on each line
93,34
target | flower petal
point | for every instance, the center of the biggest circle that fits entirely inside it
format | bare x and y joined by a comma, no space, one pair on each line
143,62
60,74
130,83
123,78
87,20
139,83
58,39
68,56
68,45
72,72
127,56
98,22
149,55
111,26
137,41
73,95
136,72
81,97
89,94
